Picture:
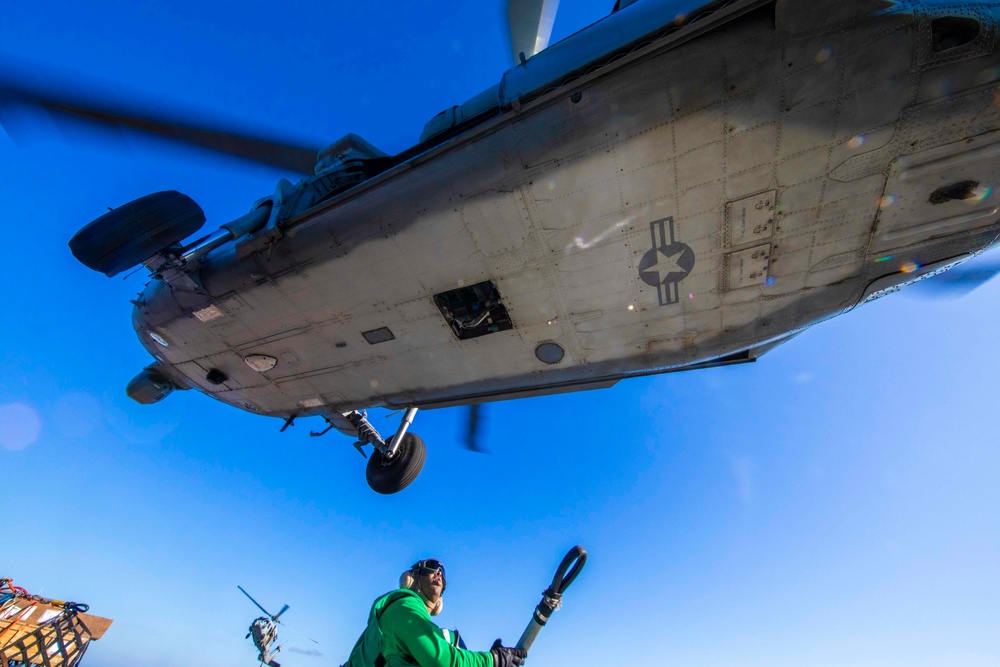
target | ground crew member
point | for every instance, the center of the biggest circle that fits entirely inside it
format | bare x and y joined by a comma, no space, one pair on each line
401,633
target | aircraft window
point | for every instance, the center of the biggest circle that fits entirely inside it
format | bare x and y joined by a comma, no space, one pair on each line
474,311
159,339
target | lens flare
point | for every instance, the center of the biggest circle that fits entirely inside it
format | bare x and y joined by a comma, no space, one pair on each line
887,201
980,193
988,75
884,259
20,426
857,141
824,54
909,267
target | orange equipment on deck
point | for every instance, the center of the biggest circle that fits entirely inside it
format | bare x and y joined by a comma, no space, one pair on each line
39,631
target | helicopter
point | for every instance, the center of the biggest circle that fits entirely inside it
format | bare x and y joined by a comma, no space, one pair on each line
264,632
678,186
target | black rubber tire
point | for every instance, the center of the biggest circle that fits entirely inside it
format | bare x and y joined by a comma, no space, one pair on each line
394,475
128,235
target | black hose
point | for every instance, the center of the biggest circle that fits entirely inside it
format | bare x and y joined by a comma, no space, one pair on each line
552,596
562,580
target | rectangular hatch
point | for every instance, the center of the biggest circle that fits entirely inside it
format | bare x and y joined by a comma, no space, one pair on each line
474,311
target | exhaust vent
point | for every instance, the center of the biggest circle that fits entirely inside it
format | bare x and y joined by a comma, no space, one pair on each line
951,32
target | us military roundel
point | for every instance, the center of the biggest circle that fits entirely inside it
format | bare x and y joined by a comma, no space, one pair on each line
666,263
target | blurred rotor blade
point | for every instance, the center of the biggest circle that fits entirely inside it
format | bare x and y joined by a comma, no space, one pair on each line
283,610
473,429
263,150
956,282
621,4
254,601
530,25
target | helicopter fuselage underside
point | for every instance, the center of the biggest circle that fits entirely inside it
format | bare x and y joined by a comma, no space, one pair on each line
676,207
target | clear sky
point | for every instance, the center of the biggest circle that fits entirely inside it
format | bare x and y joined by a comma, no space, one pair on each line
835,504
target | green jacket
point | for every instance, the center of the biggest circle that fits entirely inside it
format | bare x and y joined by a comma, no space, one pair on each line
401,630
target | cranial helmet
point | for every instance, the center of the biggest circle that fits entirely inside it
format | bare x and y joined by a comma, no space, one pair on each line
408,580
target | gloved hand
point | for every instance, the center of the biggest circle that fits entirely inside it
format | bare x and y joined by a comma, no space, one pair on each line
504,656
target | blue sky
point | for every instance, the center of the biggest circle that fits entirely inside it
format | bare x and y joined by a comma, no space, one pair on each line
833,504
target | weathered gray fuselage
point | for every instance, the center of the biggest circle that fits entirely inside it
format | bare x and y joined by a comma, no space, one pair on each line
790,153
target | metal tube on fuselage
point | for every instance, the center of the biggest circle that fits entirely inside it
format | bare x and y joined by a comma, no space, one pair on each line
241,226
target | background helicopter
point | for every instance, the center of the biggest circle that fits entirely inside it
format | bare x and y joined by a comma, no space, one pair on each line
264,631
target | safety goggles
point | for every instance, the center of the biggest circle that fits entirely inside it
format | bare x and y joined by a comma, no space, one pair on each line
429,566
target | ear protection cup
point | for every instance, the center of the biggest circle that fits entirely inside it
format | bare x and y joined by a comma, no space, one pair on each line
437,608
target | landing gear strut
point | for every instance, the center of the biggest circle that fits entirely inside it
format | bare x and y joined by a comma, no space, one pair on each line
394,464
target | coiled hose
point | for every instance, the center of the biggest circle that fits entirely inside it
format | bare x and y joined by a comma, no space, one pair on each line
552,596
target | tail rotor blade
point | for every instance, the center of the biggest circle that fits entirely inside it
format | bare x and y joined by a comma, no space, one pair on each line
473,429
530,25
257,603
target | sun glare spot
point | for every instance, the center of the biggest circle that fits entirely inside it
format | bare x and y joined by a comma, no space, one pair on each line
945,88
582,244
980,193
20,426
988,75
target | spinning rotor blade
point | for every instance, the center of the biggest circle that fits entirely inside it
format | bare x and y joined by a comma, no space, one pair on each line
283,610
530,25
473,429
263,150
258,604
956,282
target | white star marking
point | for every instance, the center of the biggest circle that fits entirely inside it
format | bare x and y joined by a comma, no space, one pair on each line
666,264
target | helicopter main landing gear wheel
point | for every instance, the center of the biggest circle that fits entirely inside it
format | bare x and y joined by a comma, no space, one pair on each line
387,474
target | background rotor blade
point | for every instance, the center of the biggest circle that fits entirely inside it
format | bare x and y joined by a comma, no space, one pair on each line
264,150
530,25
956,282
284,608
474,429
254,601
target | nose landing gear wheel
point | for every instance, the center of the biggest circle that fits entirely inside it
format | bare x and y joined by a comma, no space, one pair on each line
387,476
